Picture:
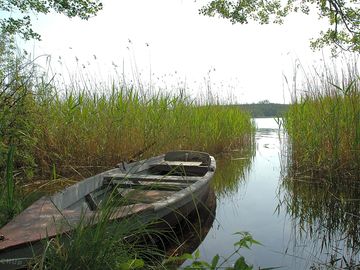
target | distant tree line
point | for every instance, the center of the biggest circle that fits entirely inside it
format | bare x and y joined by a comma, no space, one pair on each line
265,109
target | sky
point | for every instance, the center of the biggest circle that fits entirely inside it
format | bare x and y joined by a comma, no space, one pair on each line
170,45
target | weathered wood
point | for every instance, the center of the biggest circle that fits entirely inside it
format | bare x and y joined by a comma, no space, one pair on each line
149,185
181,163
188,156
147,196
150,195
91,202
179,169
152,178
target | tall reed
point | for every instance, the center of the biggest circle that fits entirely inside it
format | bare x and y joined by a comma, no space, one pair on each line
78,129
101,242
86,129
324,125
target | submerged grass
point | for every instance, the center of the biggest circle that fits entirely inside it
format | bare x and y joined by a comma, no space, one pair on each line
324,125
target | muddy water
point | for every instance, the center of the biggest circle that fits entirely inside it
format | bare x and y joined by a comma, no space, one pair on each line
301,223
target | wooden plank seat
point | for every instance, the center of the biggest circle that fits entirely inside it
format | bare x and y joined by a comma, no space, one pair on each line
179,168
149,185
152,178
187,156
181,163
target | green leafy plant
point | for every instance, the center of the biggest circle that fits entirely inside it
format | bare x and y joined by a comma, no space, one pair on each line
246,241
10,201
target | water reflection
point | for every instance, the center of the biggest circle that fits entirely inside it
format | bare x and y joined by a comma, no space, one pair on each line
326,218
314,224
193,230
324,214
231,172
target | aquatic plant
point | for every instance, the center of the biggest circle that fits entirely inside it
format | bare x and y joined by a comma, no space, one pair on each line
246,241
65,132
322,166
323,124
84,129
100,242
80,129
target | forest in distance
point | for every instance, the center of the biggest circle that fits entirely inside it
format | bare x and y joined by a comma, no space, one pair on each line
265,109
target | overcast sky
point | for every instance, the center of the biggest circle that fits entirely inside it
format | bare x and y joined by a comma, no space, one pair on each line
247,62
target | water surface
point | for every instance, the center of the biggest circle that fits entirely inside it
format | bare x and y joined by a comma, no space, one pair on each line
298,224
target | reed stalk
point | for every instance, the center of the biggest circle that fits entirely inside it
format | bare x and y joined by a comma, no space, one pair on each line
324,127
9,179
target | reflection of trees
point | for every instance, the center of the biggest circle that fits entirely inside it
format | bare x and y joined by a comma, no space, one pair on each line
231,171
328,214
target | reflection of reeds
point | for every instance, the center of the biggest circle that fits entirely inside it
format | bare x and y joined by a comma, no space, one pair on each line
321,183
326,214
231,171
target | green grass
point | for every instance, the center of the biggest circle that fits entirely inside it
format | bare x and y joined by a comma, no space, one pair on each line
100,242
324,127
85,129
321,181
48,135
82,132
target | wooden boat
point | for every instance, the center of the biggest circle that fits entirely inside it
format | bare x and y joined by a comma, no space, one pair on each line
163,187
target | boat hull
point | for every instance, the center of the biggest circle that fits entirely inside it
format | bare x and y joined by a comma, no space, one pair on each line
161,190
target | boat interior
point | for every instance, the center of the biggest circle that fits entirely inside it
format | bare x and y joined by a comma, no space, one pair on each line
148,181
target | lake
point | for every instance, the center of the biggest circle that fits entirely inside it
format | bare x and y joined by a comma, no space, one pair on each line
300,222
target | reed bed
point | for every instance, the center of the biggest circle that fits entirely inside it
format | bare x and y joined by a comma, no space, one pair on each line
324,125
85,130
82,129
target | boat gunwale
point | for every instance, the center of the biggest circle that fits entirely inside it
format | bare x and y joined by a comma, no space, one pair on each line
57,205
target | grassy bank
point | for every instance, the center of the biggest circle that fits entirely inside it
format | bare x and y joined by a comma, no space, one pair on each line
48,134
81,131
98,130
324,126
51,137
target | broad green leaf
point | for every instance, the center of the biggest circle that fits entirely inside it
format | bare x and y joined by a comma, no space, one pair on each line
241,264
215,261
